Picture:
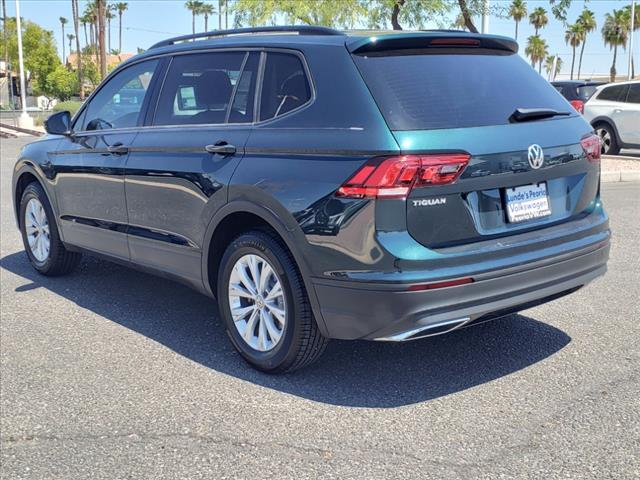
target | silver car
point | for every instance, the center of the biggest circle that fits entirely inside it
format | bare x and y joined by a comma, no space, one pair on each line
614,112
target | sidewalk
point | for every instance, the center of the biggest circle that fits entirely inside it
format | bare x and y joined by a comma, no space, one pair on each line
620,169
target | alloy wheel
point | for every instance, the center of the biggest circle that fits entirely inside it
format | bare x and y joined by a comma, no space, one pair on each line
37,230
257,302
605,140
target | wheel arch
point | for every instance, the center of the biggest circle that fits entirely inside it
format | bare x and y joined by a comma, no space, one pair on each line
607,121
238,216
25,173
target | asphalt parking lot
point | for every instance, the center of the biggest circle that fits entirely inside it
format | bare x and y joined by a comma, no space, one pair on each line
114,374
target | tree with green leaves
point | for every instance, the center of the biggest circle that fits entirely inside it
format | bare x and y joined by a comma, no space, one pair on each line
518,11
120,7
345,13
206,10
548,65
615,33
574,36
38,46
538,19
60,83
588,22
195,7
536,50
63,22
410,13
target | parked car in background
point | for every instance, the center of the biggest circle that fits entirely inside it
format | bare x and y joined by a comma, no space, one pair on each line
419,197
614,112
576,91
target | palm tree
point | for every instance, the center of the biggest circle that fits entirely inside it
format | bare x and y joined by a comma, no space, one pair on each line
517,11
615,33
120,7
194,6
548,65
636,26
63,22
536,50
538,19
206,10
75,9
588,21
71,37
109,15
574,36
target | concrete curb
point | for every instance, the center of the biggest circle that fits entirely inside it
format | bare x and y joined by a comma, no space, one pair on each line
620,176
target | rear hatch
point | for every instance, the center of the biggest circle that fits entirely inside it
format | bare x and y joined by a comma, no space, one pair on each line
524,145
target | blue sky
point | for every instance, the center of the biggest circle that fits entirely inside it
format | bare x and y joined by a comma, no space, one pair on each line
148,21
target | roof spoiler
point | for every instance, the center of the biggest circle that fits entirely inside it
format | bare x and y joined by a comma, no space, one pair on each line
286,30
442,39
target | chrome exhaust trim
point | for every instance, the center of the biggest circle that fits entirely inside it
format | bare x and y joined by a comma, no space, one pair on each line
426,331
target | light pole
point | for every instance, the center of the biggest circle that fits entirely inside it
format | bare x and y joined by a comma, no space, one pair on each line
485,16
24,120
633,14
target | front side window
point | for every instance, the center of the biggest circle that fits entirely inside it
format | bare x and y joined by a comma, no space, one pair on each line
616,93
285,86
119,102
200,88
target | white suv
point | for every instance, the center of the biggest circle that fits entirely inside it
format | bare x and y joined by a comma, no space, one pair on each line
614,112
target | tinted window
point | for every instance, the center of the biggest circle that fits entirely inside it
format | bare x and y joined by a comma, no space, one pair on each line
198,90
119,102
243,100
616,93
285,86
441,90
585,92
634,93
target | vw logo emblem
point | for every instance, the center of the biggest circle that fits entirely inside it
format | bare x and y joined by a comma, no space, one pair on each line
536,156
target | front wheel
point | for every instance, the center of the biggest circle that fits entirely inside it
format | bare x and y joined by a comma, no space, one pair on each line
40,235
264,305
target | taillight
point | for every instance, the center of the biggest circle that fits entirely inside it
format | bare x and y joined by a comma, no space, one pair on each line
578,105
592,147
394,177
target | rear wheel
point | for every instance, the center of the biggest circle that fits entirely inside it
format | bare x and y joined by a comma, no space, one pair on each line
608,141
264,305
40,234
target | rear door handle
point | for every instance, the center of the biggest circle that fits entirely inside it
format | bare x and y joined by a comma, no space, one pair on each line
118,149
221,148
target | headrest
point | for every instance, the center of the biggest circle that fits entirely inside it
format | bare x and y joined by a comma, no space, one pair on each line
213,88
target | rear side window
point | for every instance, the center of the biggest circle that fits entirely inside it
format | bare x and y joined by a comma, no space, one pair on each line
616,93
200,88
419,90
634,93
285,86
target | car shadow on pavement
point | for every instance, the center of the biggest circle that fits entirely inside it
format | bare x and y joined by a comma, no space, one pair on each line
356,374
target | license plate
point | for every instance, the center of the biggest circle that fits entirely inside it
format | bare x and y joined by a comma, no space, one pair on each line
527,202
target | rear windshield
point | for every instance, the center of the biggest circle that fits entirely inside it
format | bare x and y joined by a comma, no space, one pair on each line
420,91
585,92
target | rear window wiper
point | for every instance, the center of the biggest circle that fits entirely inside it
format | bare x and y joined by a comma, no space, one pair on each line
527,114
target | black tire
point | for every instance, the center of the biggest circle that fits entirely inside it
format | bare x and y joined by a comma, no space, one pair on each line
60,260
301,343
608,139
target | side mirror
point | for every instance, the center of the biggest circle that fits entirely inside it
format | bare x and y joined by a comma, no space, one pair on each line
58,123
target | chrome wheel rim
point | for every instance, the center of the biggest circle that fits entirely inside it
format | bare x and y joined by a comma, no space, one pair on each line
605,140
257,302
37,230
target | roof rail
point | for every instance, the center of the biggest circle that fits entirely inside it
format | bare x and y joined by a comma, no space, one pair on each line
293,30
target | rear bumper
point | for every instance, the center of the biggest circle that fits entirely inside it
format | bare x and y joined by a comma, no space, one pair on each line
387,311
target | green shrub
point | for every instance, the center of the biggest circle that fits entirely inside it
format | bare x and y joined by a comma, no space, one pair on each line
70,105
